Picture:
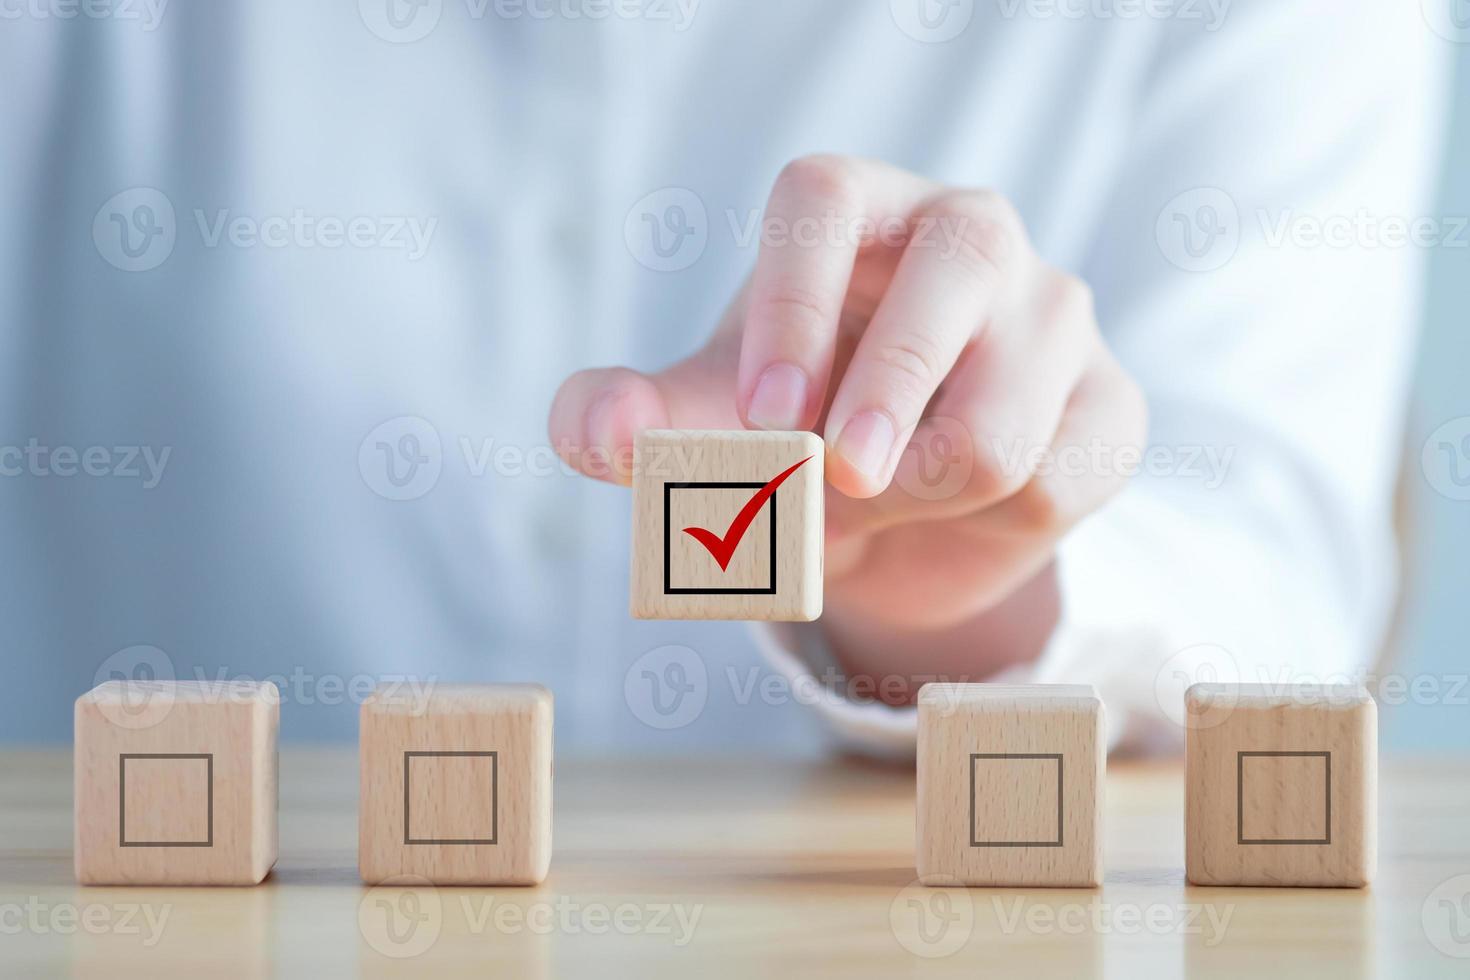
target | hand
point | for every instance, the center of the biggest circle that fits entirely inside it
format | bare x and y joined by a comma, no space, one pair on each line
924,322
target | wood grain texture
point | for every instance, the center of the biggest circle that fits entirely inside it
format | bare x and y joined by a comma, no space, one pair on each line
1282,785
665,558
456,784
1010,785
794,868
175,783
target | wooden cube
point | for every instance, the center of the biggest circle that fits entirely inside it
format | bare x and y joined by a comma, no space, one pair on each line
175,783
727,525
1281,785
456,785
1010,785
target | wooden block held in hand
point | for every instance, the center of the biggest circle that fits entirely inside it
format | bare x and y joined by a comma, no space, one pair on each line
456,784
714,539
1010,781
1281,785
175,783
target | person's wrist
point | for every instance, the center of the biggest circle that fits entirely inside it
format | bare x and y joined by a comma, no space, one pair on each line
894,660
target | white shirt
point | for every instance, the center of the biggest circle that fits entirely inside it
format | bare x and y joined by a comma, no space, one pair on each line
373,241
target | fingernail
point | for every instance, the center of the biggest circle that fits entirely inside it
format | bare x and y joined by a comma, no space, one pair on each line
606,455
866,442
779,399
599,421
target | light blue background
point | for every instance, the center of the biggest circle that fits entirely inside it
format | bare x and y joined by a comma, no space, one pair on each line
1429,650
1436,627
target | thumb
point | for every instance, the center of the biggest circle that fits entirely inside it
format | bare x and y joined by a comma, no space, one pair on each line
595,415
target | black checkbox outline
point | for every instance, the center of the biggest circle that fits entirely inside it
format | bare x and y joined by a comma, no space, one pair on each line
494,758
1240,758
669,489
1054,756
122,799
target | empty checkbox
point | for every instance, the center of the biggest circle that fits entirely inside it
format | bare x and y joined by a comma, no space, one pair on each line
1284,797
1016,800
165,800
451,797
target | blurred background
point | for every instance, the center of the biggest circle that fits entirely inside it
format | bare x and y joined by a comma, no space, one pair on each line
370,419
1433,640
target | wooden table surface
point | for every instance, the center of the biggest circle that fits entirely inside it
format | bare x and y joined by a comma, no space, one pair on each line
718,866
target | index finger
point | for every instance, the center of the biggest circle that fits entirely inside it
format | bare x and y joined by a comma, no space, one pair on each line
809,247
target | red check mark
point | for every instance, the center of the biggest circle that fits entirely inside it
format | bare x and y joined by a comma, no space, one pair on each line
723,549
